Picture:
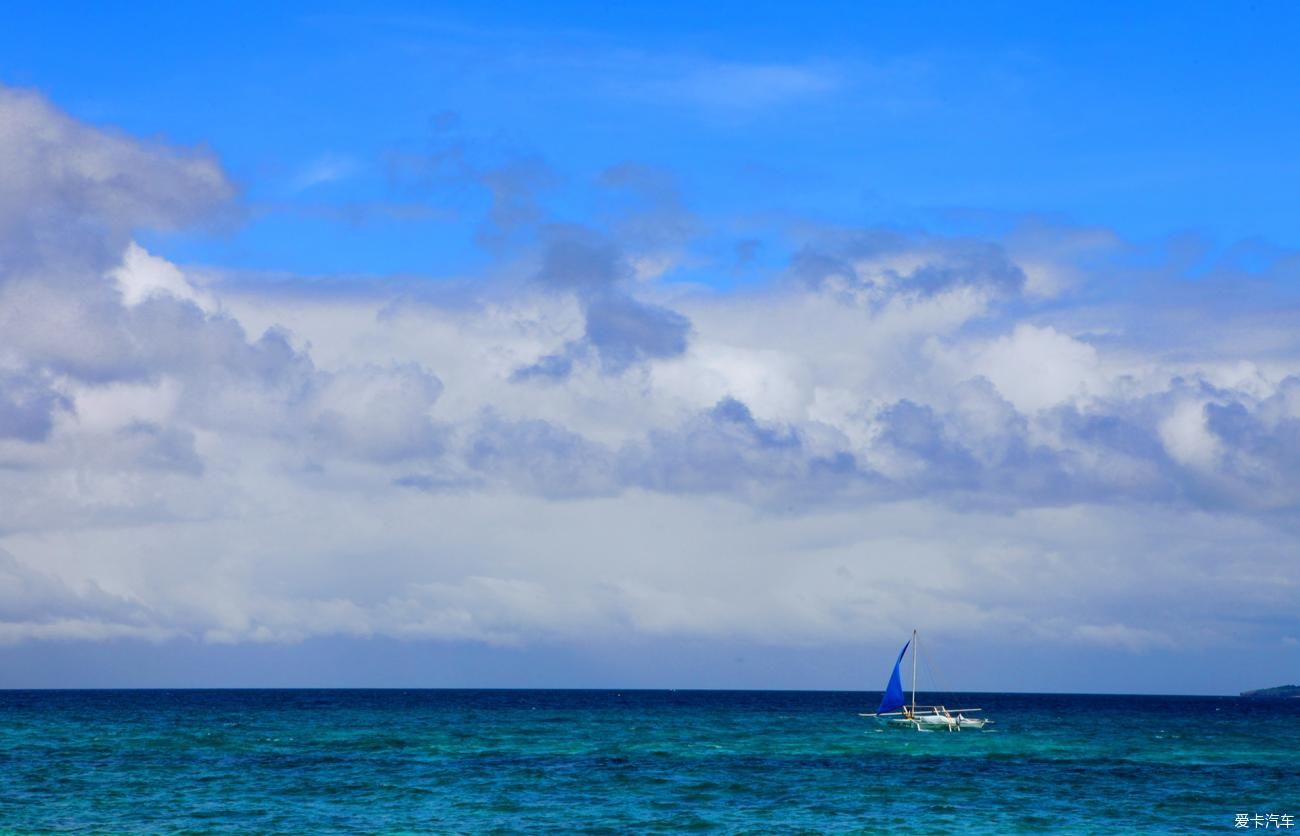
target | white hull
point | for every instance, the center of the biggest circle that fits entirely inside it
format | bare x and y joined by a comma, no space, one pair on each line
933,722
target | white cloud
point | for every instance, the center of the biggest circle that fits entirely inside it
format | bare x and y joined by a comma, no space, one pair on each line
1036,368
1187,438
57,170
327,168
354,492
142,275
878,443
735,86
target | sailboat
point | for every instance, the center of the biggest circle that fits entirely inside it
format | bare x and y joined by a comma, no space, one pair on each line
894,711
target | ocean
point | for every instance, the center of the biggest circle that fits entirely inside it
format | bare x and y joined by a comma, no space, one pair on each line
394,761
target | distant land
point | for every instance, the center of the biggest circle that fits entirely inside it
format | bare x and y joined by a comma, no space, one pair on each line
1281,692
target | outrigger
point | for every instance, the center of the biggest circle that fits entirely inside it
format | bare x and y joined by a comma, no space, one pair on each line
919,717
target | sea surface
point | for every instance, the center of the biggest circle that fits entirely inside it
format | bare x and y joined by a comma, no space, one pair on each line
394,761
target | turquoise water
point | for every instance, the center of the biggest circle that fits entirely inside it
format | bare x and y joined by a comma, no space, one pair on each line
416,761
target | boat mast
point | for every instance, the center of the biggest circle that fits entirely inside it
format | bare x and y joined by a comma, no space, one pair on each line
913,673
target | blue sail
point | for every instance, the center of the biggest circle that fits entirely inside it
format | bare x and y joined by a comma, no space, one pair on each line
893,697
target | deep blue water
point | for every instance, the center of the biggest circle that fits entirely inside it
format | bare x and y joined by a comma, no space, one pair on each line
418,761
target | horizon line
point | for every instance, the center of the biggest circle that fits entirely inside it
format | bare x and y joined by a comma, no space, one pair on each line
11,689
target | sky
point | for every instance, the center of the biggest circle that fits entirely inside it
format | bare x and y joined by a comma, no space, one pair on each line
566,345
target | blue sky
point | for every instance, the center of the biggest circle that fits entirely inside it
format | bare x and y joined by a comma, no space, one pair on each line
567,344
1170,119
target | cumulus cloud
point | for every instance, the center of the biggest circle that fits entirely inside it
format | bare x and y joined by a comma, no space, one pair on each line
35,605
893,429
875,264
64,182
28,405
621,330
